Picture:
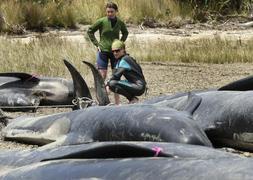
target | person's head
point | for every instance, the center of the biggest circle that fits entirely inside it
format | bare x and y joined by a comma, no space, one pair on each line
118,48
111,10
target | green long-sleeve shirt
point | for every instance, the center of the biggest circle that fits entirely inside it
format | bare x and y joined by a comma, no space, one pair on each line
107,33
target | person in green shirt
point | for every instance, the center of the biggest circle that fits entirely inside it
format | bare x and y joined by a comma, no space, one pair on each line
109,28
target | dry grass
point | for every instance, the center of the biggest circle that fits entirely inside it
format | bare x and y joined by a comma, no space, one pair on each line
44,55
12,16
215,50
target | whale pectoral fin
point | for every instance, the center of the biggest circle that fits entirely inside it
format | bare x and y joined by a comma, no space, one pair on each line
59,142
58,128
21,76
239,85
81,89
193,103
101,93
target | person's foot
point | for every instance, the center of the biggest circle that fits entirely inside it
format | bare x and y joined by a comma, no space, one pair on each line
134,100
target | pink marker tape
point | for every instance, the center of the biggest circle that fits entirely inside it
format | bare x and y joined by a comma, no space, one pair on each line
157,150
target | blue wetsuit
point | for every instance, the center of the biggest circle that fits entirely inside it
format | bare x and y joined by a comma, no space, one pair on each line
134,83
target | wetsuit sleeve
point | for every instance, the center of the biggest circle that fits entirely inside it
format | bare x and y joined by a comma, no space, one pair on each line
123,66
117,74
124,32
91,32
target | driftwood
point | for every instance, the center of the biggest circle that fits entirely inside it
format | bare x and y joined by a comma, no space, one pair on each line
247,24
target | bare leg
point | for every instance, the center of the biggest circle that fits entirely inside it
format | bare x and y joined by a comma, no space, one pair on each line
117,98
107,90
103,73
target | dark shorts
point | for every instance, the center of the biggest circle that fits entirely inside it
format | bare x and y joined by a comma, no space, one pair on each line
103,58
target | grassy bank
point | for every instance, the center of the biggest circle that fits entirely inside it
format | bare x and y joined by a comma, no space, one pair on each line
16,16
215,50
44,55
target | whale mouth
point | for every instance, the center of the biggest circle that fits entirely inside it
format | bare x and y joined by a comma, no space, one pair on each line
115,151
232,143
30,140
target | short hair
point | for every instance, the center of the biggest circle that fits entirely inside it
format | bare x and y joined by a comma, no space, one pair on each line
112,5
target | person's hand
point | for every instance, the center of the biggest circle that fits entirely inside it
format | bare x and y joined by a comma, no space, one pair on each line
99,50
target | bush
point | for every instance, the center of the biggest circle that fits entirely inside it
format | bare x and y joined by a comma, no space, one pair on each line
19,15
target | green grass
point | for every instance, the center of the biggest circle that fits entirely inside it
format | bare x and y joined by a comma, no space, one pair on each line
44,55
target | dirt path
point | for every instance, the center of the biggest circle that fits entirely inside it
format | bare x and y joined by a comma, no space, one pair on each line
143,34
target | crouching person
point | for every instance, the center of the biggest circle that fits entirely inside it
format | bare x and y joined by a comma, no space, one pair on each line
134,83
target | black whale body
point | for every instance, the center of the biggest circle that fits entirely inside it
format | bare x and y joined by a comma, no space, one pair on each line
109,123
22,91
108,150
225,116
137,168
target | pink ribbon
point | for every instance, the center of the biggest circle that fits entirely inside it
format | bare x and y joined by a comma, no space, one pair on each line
157,150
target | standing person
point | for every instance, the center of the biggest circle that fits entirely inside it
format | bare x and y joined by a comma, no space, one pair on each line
109,28
134,83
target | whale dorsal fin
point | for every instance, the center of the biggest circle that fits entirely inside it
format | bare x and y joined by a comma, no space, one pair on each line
80,87
21,76
193,102
108,151
101,93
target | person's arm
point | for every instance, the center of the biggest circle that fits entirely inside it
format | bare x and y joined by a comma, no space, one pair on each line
117,73
91,32
115,76
124,32
123,66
